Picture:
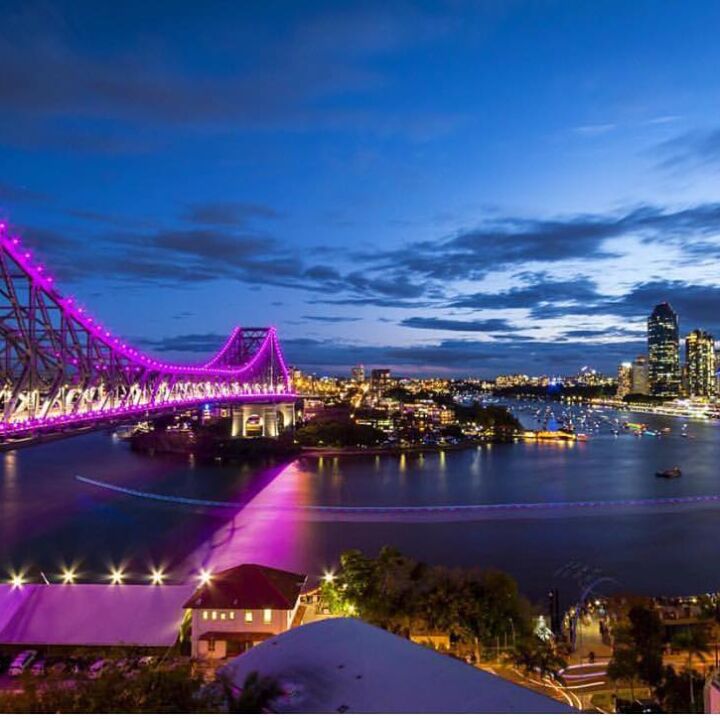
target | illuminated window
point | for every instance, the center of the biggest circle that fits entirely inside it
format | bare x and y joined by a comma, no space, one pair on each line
205,614
267,616
232,614
222,616
248,616
214,614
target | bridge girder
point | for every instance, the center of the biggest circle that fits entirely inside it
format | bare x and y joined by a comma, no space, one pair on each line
58,366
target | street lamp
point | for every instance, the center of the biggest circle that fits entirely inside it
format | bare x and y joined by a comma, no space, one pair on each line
204,576
69,576
17,580
117,576
329,576
157,576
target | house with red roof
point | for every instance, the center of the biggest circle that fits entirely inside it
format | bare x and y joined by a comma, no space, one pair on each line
240,607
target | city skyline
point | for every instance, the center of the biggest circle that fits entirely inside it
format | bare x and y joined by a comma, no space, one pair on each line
519,184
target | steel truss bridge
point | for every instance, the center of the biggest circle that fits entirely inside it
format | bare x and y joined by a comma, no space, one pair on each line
60,368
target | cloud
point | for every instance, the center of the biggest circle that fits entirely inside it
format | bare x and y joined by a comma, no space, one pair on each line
202,343
247,74
541,290
331,318
435,323
20,194
459,357
690,150
236,214
595,130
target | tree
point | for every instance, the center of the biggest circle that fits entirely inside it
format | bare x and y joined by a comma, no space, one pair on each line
646,633
149,690
624,665
694,642
536,656
401,594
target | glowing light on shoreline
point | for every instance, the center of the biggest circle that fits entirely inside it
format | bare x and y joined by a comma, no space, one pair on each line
69,575
17,580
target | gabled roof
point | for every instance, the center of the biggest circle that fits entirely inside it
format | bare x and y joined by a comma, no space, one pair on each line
249,587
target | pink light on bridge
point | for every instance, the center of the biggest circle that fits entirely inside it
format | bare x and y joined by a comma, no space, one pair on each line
122,381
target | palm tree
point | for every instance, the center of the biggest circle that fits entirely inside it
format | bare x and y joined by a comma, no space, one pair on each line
694,642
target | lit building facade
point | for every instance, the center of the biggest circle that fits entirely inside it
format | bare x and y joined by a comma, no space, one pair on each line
700,364
380,379
624,380
639,376
664,352
358,374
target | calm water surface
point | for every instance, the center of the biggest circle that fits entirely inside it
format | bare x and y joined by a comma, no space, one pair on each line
47,518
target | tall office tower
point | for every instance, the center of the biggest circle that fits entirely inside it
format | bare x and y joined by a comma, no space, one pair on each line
664,352
624,380
639,376
358,374
700,363
379,379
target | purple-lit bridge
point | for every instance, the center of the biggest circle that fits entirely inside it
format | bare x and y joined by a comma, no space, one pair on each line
60,368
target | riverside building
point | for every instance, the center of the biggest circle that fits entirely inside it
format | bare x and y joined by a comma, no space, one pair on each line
700,364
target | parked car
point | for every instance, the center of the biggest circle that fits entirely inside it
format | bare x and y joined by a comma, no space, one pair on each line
97,669
21,662
147,660
58,668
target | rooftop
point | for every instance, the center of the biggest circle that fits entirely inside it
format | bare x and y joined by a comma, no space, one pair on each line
101,615
250,587
345,665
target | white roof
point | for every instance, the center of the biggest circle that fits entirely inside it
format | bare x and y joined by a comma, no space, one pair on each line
345,665
144,615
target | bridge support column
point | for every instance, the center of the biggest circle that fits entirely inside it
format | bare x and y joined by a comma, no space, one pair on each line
239,418
270,424
287,410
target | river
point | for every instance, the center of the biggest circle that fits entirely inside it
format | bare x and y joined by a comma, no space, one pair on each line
49,519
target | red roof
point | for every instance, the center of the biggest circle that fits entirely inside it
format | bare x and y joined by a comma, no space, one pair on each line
249,587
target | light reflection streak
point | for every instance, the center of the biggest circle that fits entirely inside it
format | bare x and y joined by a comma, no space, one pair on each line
265,531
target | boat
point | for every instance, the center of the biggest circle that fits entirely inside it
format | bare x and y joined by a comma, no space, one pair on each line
670,473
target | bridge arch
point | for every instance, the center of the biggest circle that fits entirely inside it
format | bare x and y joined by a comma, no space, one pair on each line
62,368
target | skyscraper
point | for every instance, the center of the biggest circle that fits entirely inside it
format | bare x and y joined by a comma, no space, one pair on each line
700,363
358,374
663,352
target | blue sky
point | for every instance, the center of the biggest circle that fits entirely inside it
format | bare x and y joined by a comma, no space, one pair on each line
443,188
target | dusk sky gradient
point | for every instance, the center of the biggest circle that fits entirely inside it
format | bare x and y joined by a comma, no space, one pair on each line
452,188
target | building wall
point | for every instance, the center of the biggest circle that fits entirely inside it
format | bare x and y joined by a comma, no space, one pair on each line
235,621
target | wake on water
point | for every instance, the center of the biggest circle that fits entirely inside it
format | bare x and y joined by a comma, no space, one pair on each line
433,513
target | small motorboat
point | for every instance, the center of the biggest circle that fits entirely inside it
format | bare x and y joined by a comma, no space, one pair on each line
670,474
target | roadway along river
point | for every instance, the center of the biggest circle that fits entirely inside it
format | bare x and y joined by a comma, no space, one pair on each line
49,519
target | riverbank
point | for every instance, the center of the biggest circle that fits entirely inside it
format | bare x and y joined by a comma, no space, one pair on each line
395,450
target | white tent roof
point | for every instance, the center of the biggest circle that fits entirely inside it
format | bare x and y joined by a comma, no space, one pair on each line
107,615
348,666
